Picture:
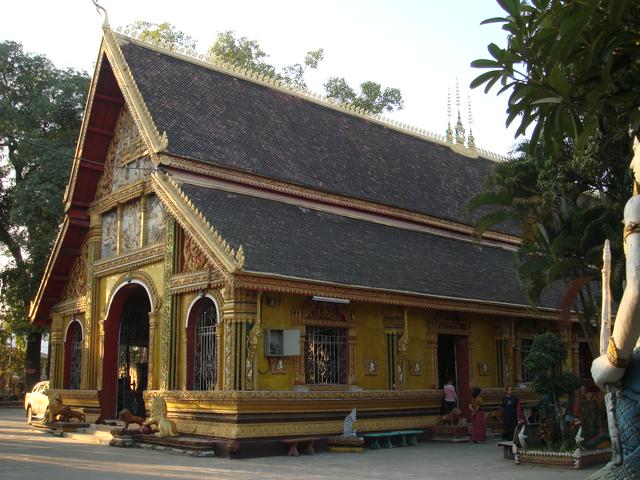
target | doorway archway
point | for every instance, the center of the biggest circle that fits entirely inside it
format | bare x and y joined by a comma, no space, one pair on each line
126,351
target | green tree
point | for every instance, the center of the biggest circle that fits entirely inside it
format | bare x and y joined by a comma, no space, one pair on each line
163,35
572,72
545,364
40,114
246,53
371,97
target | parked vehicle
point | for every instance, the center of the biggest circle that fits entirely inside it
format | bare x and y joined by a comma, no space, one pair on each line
36,401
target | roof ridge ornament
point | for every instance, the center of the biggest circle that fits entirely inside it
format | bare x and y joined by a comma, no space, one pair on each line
471,141
103,12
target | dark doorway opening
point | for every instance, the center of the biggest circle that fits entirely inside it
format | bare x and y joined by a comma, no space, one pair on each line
447,360
453,364
133,353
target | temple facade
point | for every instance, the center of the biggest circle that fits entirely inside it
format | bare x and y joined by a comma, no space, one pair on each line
267,260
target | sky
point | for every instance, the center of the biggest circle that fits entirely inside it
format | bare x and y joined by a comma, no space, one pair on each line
420,47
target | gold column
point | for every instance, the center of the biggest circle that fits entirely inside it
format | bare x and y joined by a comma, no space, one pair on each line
255,334
100,356
57,351
239,311
143,220
90,358
353,337
166,355
432,350
154,321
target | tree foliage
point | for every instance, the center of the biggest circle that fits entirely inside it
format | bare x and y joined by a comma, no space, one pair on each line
163,35
545,364
572,73
371,97
40,113
569,67
247,53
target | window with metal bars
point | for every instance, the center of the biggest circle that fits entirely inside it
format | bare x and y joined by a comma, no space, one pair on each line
325,355
204,370
76,359
525,348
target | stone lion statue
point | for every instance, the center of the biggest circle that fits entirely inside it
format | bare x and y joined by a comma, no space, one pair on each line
57,412
54,408
166,427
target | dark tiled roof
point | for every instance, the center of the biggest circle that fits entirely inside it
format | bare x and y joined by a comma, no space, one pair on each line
219,119
289,240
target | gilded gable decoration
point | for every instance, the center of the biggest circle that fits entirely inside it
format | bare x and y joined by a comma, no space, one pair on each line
109,245
193,258
130,229
77,286
155,223
323,314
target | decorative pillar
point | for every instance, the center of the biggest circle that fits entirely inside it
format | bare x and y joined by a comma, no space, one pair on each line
90,358
403,345
167,354
100,365
143,221
57,352
239,313
253,341
154,322
353,337
432,350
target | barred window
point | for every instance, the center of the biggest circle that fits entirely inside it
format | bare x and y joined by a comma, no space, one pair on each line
76,359
525,348
325,355
205,349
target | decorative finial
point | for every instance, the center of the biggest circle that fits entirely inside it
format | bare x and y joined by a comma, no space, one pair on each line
471,141
459,127
103,12
449,131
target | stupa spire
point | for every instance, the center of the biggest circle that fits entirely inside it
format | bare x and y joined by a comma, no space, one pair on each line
459,128
449,130
471,141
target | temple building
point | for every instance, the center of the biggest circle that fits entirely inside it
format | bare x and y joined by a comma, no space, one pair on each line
266,259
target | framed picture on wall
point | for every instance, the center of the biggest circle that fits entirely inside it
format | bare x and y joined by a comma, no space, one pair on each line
483,369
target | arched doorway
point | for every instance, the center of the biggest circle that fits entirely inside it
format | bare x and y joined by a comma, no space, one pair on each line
73,356
202,345
126,351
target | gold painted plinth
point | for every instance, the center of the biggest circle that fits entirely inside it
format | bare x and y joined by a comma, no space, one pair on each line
264,414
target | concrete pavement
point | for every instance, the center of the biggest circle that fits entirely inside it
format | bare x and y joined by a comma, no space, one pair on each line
30,454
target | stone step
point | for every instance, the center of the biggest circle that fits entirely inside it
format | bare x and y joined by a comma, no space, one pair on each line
98,434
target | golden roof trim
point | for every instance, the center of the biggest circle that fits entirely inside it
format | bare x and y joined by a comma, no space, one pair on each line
156,142
358,293
252,181
275,84
195,223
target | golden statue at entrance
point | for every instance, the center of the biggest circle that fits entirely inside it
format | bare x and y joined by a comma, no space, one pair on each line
166,427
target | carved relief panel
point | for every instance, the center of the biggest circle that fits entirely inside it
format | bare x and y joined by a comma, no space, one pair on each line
130,228
77,286
109,234
125,163
155,226
193,260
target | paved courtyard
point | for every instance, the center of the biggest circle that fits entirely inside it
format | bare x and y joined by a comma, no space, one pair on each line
29,454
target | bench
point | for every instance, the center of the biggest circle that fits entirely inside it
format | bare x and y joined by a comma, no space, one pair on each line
507,450
292,443
405,437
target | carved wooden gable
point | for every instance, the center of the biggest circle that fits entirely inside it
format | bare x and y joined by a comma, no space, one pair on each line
323,314
77,286
126,161
193,259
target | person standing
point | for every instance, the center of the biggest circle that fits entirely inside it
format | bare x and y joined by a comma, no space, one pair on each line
510,412
478,430
450,398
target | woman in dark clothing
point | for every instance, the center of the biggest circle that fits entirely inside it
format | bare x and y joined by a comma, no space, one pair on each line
510,409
